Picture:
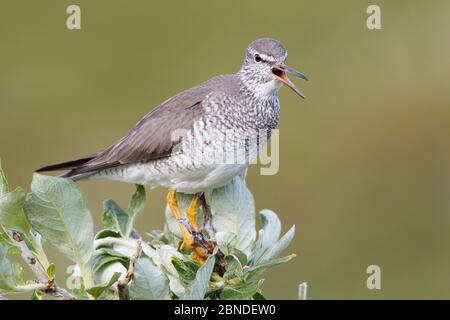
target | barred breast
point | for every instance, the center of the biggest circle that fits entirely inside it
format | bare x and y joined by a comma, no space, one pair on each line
218,147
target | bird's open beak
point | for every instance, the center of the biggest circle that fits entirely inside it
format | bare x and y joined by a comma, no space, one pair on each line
280,74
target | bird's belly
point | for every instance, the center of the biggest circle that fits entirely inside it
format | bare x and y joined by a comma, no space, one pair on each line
207,159
209,178
176,172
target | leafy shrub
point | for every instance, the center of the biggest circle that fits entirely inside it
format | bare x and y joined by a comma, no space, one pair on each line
116,263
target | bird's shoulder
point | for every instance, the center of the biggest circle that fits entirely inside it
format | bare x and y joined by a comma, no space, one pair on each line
229,84
181,110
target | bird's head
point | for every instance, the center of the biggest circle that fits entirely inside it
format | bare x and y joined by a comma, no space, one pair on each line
264,69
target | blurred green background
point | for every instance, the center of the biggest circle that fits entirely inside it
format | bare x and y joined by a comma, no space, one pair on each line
365,160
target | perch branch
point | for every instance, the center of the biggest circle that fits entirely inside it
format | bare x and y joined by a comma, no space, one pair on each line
50,286
302,290
207,219
121,285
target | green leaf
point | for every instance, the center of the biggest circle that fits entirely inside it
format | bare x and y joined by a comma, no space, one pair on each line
4,187
233,211
186,270
259,296
110,252
51,270
114,217
18,274
58,211
269,246
233,267
242,257
11,211
7,275
198,287
105,233
11,274
226,241
136,205
269,234
162,256
272,262
101,261
97,291
6,241
280,245
126,247
107,270
106,256
239,291
149,282
256,271
36,295
80,293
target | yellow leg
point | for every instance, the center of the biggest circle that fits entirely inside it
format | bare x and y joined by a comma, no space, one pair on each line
192,212
173,205
200,253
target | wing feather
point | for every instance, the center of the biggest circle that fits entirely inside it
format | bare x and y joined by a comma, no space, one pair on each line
152,137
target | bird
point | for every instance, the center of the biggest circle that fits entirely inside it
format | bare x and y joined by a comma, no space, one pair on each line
199,139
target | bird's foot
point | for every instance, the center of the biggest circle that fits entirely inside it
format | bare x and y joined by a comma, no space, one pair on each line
196,241
193,237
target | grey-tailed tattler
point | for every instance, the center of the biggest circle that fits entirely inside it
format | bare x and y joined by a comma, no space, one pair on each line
200,138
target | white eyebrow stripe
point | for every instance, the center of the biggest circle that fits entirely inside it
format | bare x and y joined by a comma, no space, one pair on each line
266,57
262,55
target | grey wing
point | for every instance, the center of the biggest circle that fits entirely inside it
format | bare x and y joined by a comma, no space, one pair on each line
152,137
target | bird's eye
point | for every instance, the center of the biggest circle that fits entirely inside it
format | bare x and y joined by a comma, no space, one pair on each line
258,58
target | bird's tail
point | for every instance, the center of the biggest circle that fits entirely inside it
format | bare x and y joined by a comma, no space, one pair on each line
69,165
